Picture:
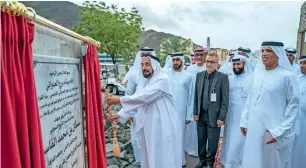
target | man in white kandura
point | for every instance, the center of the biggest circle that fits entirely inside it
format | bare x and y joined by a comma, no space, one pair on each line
132,77
156,124
183,94
191,139
299,149
239,85
291,54
270,111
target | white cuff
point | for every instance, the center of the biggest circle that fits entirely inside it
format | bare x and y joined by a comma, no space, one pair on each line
123,116
189,119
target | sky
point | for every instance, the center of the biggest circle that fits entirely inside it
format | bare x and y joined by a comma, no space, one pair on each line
228,24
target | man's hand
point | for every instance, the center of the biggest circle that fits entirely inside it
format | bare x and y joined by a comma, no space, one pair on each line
243,131
271,140
130,121
113,100
220,123
187,122
196,118
114,117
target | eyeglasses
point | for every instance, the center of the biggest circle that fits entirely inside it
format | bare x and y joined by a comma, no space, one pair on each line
210,62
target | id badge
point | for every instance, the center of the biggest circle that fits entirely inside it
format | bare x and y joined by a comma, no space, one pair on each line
213,97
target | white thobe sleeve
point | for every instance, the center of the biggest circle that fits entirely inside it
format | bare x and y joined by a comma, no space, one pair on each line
290,112
139,99
130,88
190,100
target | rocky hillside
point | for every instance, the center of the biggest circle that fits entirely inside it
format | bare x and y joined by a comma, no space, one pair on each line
67,14
63,13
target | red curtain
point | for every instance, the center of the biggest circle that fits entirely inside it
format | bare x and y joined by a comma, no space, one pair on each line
21,138
94,113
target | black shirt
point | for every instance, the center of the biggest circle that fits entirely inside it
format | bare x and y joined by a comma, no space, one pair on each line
210,78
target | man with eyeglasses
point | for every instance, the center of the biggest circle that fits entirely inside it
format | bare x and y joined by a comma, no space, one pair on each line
191,138
211,106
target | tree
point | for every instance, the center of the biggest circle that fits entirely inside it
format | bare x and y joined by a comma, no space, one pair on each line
173,45
116,29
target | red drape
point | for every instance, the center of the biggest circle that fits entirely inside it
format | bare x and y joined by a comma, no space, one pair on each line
21,138
94,113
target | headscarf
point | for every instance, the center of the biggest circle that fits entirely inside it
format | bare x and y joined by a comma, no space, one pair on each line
200,49
155,63
249,53
168,63
241,58
278,48
179,56
291,51
295,66
134,70
302,58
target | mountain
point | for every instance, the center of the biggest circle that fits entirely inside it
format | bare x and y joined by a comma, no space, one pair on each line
67,14
63,13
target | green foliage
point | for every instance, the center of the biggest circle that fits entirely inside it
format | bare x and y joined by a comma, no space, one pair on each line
173,45
116,29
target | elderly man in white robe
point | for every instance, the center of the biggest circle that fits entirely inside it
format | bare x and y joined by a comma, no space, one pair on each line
270,111
183,94
291,54
132,77
299,149
239,85
156,123
191,136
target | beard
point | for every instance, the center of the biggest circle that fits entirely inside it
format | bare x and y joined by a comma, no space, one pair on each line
176,66
239,71
147,74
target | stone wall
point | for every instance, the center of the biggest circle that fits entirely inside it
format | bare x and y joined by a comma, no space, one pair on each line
303,16
302,27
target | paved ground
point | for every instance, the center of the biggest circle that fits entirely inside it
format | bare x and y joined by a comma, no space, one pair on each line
191,161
